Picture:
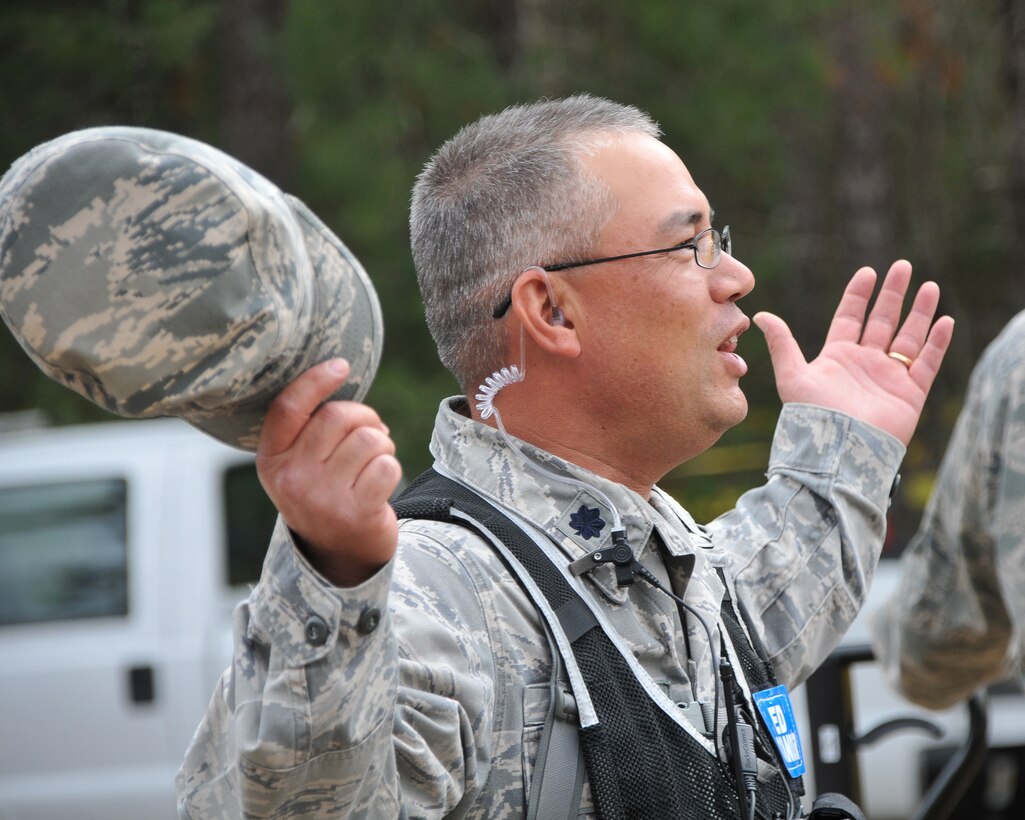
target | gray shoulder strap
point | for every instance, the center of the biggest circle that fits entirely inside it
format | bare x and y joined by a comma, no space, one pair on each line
559,770
558,777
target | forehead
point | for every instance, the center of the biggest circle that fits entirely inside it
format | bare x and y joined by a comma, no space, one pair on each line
654,190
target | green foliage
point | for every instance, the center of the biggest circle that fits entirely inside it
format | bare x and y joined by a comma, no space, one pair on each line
749,93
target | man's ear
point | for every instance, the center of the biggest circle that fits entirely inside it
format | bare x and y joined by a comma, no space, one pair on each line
535,303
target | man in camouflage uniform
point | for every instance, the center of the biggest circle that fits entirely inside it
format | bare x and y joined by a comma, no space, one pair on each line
956,621
385,670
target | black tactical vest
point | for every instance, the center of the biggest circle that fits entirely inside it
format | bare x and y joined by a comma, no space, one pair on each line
641,765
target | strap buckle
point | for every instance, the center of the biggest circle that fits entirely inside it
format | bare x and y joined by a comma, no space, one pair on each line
565,704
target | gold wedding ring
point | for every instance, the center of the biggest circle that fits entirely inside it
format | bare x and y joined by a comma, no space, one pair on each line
900,357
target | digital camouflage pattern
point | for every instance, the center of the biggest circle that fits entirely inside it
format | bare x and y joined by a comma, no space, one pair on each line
158,276
957,620
432,712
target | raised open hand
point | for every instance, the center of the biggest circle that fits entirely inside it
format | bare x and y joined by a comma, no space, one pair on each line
868,368
330,469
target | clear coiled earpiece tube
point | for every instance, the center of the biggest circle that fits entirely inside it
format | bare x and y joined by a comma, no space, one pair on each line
513,374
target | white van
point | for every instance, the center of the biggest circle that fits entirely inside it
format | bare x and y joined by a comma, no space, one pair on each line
124,547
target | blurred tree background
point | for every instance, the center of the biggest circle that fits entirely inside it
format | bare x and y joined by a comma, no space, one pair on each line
829,135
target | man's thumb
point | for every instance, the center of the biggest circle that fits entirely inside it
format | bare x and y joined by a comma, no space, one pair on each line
783,348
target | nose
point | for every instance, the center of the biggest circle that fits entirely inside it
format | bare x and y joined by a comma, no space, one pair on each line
731,279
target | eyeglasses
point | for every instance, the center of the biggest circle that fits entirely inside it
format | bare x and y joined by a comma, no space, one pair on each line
708,247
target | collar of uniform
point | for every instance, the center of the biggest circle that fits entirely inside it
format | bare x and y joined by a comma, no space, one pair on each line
572,515
708,555
697,539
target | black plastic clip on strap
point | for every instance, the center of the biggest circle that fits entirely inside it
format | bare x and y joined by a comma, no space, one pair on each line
618,553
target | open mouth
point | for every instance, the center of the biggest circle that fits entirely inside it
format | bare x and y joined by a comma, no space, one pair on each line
730,345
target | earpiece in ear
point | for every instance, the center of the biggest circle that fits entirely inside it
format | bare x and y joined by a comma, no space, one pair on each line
557,315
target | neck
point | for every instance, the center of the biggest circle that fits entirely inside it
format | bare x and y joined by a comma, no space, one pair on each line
576,440
598,463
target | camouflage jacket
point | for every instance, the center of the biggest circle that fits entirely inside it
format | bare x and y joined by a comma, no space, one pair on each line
416,694
956,622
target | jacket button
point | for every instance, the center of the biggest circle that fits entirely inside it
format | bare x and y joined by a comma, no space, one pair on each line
316,630
369,620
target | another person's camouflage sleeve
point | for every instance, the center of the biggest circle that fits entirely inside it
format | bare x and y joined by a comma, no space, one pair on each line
806,544
323,715
955,621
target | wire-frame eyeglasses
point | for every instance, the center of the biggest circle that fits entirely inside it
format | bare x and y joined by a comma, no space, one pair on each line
708,247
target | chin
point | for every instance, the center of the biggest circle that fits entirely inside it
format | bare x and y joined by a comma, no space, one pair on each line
735,410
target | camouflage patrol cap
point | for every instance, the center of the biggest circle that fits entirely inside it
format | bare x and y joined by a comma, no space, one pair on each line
158,276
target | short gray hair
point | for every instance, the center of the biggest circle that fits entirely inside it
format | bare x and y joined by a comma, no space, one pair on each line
506,192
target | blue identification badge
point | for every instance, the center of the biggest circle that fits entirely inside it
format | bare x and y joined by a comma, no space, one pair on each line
778,716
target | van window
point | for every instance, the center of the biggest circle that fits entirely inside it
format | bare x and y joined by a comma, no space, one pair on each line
63,551
250,519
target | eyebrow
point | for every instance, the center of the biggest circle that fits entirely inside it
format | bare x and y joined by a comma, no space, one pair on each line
683,219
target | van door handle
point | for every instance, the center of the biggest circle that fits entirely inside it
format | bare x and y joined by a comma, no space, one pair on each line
140,684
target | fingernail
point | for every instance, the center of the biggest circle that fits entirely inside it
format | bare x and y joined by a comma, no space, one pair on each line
339,366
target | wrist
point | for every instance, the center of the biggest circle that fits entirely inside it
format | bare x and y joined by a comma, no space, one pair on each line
338,567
